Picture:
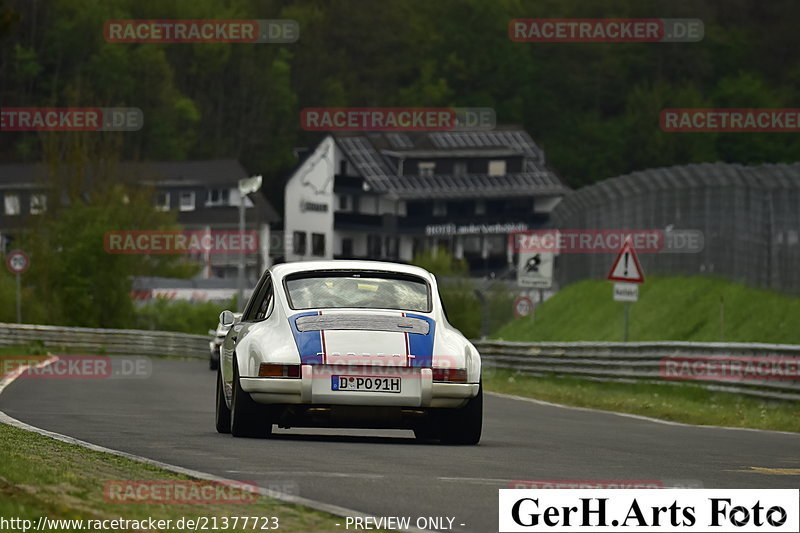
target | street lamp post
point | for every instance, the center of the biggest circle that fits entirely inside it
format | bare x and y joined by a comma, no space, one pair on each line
246,186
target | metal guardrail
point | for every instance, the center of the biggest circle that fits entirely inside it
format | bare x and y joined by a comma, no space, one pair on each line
601,361
109,341
639,362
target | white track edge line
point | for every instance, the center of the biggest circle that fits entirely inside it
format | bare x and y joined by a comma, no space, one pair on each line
635,417
285,498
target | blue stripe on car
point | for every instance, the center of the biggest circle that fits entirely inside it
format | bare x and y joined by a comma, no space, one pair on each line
309,343
421,346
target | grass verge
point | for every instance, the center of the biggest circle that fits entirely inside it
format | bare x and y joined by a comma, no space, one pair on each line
698,308
678,403
40,476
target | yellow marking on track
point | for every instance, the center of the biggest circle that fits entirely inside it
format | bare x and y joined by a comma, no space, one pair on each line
773,471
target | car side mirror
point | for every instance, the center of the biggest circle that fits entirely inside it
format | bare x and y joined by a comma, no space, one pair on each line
226,318
212,332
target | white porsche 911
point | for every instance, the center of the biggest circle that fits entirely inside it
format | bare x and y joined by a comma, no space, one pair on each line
358,344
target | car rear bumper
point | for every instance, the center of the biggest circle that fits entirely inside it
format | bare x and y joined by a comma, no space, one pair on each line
417,389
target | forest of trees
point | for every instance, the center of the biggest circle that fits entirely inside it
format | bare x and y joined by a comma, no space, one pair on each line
594,108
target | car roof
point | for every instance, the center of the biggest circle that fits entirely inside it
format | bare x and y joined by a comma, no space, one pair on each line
284,269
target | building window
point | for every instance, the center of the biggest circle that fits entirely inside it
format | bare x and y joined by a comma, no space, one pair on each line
5,243
425,169
373,246
472,244
219,197
299,242
519,205
187,201
418,246
343,167
496,244
497,167
439,209
38,203
419,209
460,208
460,169
347,247
344,202
318,244
162,201
11,204
480,207
392,247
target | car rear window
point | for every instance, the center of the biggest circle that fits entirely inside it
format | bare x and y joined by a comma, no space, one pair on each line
358,290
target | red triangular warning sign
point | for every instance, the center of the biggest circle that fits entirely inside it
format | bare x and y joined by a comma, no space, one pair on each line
626,267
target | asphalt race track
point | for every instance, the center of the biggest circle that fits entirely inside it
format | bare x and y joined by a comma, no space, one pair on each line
170,417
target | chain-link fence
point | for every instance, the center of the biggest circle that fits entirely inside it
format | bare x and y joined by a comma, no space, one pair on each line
749,217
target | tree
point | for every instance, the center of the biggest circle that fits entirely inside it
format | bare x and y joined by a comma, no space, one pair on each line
79,283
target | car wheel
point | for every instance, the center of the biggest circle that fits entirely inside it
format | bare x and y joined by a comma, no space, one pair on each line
248,418
213,365
465,424
223,413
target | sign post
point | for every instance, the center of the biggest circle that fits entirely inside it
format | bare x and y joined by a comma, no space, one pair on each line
18,262
535,270
246,186
626,270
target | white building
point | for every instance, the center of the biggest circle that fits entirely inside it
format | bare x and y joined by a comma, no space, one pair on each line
390,195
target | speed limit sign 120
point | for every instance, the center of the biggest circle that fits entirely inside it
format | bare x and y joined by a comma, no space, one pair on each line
18,261
523,306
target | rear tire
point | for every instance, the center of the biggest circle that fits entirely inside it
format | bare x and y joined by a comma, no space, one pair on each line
212,364
223,413
464,426
248,418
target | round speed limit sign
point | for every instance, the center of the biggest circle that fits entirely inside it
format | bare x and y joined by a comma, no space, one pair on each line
523,306
18,261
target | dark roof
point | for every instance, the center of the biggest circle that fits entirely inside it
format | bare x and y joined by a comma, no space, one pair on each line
375,156
22,175
209,172
228,215
204,173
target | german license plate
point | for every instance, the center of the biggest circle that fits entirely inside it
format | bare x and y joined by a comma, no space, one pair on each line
365,384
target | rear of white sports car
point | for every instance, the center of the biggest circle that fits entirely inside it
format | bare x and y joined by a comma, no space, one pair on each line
349,344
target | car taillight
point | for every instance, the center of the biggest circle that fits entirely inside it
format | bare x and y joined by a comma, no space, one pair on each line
269,370
452,375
